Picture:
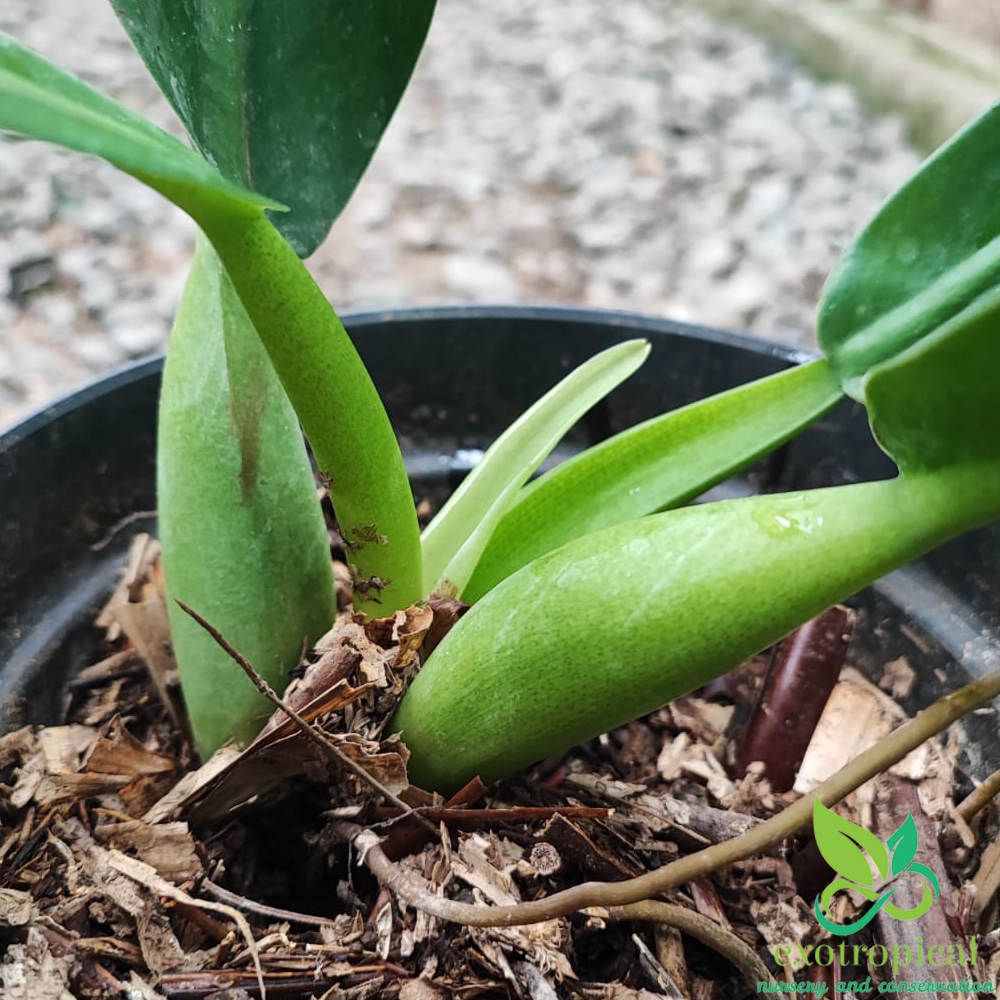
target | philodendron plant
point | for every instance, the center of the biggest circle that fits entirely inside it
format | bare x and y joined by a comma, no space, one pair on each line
594,598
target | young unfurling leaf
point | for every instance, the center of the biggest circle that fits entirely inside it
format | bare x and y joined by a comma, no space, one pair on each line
453,542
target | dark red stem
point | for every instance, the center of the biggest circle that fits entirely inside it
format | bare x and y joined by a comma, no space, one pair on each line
792,697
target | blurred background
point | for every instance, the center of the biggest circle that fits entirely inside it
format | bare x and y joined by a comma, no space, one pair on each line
637,155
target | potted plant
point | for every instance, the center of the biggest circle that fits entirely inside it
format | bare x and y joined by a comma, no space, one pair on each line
591,565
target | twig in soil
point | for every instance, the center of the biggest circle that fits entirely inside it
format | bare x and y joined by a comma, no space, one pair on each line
670,955
706,930
123,664
703,824
229,984
215,929
511,814
147,876
93,975
655,971
262,909
979,798
986,881
405,839
311,732
29,843
415,891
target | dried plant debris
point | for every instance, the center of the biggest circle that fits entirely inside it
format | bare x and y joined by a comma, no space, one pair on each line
126,869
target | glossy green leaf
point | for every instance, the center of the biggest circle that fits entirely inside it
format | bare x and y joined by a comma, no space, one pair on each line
318,365
613,625
40,101
847,846
903,844
656,465
455,539
287,98
936,404
909,318
244,542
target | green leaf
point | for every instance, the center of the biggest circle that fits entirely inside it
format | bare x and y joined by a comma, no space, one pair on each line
903,844
909,317
318,365
656,465
453,542
287,98
936,404
615,624
40,101
244,541
847,846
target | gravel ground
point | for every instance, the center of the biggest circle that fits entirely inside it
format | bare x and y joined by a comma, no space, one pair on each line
633,155
977,19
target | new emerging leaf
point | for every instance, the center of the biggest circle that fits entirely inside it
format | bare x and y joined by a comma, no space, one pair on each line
615,624
454,540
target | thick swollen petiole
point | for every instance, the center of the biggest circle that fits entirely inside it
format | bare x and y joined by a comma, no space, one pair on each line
617,623
243,537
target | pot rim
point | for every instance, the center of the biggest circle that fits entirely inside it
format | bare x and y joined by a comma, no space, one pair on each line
135,371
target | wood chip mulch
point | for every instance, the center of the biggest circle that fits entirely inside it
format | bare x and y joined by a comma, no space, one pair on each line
128,870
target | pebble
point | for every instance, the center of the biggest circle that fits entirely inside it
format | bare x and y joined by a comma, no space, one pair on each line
635,155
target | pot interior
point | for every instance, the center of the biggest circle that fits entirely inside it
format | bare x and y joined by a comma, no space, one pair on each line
77,482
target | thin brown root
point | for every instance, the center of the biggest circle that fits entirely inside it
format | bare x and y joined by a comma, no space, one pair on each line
312,732
706,930
234,899
415,891
119,526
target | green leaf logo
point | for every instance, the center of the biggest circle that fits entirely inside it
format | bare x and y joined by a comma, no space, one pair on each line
850,850
903,844
844,844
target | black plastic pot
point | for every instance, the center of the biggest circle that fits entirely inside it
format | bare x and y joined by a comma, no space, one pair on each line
74,478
